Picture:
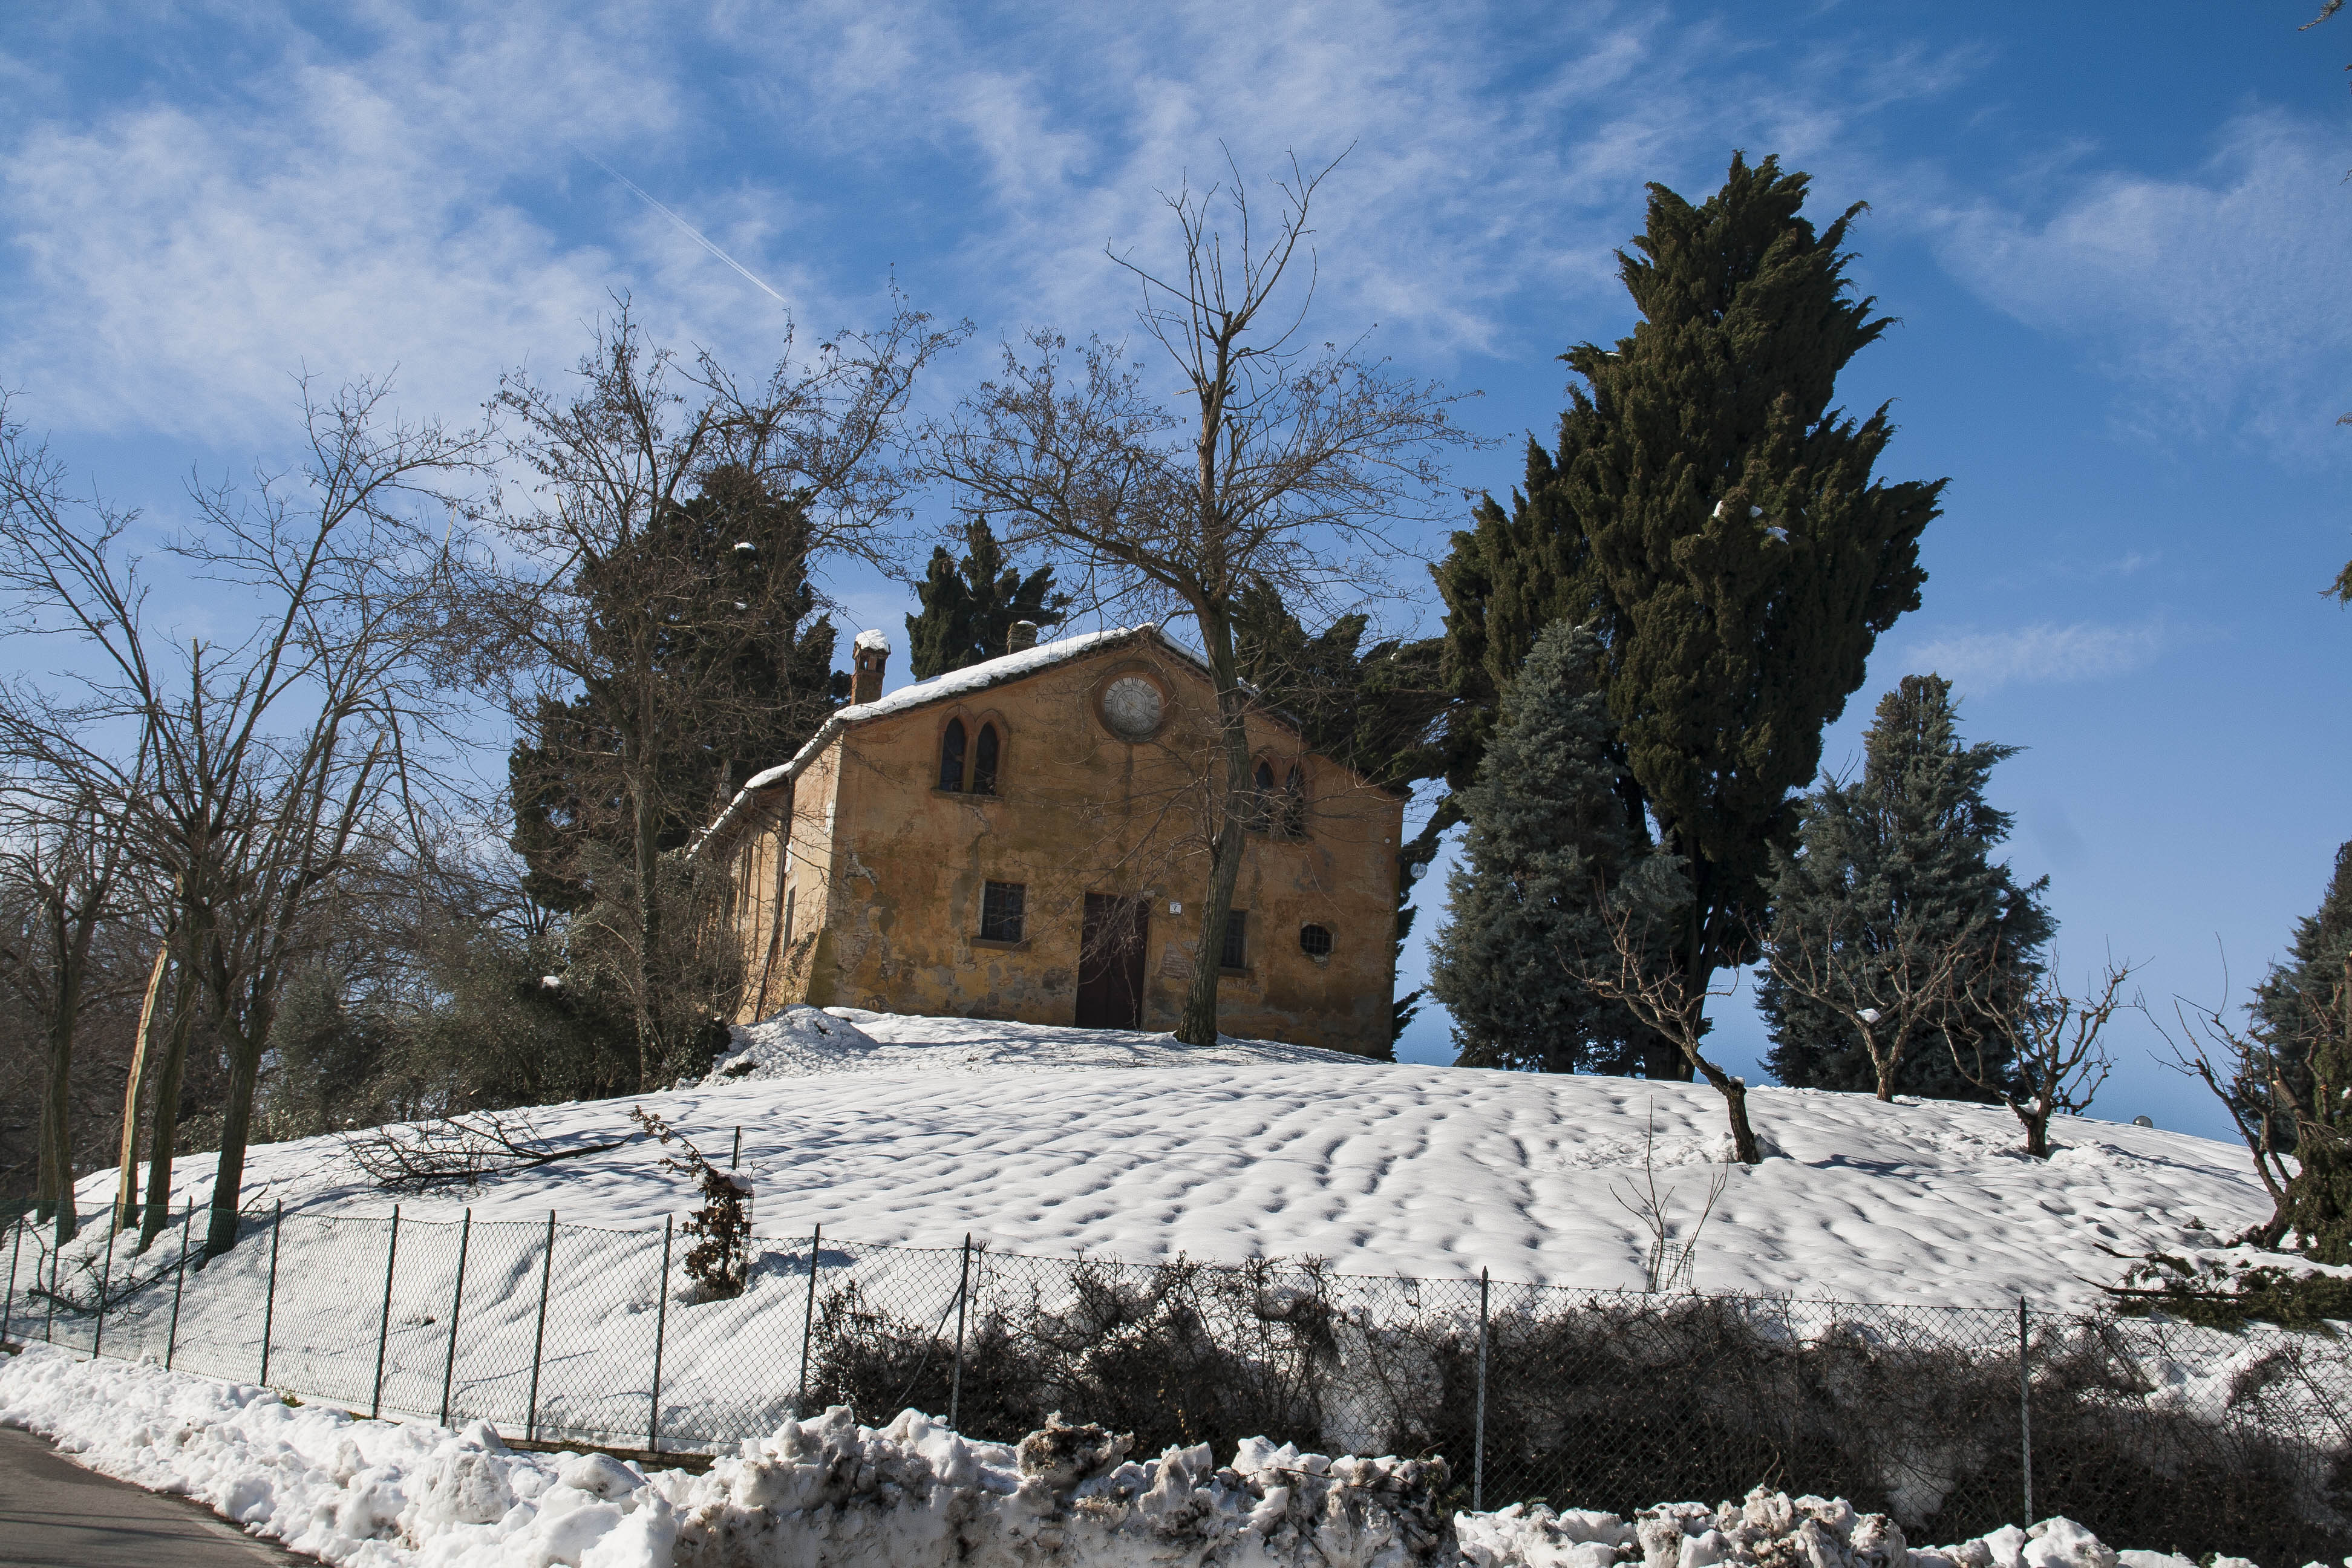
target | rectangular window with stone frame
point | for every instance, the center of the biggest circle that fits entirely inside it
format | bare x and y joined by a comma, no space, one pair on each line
1001,905
1237,948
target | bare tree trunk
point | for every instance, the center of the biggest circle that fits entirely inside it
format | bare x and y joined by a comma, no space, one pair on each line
647,830
56,1127
55,1161
167,1107
236,1124
1198,1026
1744,1147
126,1185
2037,1129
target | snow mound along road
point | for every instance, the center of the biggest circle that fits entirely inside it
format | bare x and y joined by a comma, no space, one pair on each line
388,1494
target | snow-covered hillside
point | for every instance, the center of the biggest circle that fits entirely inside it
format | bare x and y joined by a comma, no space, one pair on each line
1047,1140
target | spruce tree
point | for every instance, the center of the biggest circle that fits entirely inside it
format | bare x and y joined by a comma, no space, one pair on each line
1897,869
1727,528
969,605
1548,840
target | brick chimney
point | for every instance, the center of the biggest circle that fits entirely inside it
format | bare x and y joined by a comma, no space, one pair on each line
869,656
1023,638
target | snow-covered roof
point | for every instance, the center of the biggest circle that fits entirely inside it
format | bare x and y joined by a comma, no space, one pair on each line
955,683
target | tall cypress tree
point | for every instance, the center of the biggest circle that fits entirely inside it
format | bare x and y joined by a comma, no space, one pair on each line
745,661
2294,1007
1897,869
1548,840
1728,531
969,605
2302,1079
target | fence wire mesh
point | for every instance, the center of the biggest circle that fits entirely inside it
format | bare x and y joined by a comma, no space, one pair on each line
2150,1432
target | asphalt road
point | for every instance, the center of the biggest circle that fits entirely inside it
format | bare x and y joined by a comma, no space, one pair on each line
55,1514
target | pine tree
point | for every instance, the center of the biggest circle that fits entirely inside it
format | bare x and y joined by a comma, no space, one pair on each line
1729,526
970,607
2302,1031
1896,869
743,657
1383,710
2294,1004
1548,839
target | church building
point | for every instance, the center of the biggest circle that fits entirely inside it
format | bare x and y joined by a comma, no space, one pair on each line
1027,839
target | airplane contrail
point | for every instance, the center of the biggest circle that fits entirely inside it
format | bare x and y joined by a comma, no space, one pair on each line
698,236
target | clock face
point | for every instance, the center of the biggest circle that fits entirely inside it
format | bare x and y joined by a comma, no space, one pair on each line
1133,708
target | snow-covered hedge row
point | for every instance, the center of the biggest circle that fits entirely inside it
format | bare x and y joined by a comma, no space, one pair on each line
381,1493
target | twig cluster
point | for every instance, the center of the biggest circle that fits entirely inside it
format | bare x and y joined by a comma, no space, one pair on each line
457,1151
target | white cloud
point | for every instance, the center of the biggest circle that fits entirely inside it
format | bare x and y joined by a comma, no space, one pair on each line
1981,662
347,214
2218,297
402,191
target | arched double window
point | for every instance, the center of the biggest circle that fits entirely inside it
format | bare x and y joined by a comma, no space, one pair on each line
1261,800
1294,801
984,762
951,741
986,752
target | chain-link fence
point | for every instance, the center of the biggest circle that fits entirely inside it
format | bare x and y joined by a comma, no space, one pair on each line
1955,1420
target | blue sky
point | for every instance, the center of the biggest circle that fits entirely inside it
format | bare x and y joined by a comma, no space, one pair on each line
2116,237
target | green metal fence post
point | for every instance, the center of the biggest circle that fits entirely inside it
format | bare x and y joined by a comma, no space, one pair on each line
808,1323
2025,1408
1479,1446
539,1340
963,1291
661,1327
172,1341
457,1303
105,1277
384,1325
8,1311
269,1302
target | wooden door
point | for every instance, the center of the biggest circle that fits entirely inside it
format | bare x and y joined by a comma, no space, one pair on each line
1110,963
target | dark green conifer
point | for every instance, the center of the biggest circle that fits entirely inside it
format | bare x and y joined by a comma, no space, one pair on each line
969,605
744,663
1897,869
1547,840
2294,1004
1726,528
2302,1027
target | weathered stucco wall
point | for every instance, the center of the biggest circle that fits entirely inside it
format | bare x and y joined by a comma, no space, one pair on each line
896,914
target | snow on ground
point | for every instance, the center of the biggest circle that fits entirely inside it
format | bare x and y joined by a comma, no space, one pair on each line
1062,1141
386,1494
803,1042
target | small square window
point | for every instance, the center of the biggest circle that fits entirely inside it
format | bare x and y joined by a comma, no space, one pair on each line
1237,948
1001,908
1314,941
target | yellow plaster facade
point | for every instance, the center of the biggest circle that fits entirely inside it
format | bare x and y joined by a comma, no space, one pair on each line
858,878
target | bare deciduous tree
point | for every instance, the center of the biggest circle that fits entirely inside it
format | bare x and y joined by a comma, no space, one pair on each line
252,773
65,858
1282,459
2057,1063
617,455
2287,1101
1890,979
1643,975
